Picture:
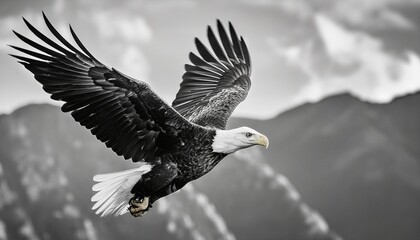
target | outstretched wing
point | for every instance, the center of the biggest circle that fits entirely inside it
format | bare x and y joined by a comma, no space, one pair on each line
120,111
216,83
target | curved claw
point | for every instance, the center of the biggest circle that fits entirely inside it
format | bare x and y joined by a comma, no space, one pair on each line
138,207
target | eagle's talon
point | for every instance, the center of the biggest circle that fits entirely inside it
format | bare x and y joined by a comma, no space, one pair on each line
136,213
138,207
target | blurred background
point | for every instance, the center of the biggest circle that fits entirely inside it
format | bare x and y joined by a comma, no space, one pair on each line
335,88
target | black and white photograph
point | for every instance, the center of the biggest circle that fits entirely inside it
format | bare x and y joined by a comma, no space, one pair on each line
202,120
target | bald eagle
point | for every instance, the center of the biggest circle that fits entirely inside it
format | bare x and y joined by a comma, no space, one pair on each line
172,145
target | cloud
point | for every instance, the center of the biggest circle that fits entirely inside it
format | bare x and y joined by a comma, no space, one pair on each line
133,62
123,36
350,61
16,23
372,14
59,6
361,13
131,29
299,8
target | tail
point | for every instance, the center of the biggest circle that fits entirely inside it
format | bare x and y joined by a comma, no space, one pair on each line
113,190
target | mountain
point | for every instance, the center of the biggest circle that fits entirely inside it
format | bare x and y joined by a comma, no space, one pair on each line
46,167
356,163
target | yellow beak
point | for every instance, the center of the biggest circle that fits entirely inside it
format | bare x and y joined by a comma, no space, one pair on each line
263,141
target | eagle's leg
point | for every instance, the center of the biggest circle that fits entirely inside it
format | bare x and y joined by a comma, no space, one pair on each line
139,206
168,189
160,176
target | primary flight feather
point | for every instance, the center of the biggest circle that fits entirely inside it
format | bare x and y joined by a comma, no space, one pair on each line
172,145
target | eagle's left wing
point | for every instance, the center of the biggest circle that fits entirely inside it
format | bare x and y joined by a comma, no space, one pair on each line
216,83
120,111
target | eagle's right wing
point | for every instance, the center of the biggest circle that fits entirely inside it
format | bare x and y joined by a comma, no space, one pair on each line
216,83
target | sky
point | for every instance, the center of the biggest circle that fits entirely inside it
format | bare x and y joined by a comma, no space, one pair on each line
301,50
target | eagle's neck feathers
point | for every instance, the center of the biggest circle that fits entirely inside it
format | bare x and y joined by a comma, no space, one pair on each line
224,141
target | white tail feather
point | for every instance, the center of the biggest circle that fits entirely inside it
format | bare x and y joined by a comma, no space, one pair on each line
113,190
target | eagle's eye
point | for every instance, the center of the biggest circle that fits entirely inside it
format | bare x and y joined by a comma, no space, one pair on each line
248,134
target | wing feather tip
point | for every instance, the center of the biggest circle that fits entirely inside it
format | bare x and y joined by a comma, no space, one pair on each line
16,33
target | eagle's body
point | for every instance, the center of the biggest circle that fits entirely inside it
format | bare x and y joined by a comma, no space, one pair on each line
172,145
193,158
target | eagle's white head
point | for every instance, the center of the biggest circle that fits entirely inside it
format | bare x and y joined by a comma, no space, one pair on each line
230,141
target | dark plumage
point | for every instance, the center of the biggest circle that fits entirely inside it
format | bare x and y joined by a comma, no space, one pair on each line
174,145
